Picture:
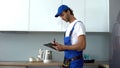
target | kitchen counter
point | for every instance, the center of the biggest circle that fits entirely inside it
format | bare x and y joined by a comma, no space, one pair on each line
23,63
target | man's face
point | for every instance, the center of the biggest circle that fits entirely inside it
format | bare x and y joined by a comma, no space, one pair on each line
65,16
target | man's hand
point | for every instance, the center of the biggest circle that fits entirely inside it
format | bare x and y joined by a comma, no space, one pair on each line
58,46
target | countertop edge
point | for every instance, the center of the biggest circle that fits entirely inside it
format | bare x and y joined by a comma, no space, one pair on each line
54,63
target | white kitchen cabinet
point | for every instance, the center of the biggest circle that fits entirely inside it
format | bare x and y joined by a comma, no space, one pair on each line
1,66
97,15
38,15
42,14
14,15
78,8
94,14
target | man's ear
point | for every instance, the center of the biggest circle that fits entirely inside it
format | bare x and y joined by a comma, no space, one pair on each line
68,11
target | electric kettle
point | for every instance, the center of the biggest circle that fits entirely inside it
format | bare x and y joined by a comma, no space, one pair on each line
47,57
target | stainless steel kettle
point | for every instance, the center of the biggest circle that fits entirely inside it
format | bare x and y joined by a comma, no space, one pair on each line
47,57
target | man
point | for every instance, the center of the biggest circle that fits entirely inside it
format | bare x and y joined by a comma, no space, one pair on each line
74,40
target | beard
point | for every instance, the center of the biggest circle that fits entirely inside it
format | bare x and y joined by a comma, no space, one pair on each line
67,18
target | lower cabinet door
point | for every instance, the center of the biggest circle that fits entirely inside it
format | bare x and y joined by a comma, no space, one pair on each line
13,67
1,66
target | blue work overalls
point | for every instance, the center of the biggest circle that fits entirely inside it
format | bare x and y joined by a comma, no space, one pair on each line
72,53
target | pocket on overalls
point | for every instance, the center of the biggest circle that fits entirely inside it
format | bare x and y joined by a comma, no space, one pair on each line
67,40
77,63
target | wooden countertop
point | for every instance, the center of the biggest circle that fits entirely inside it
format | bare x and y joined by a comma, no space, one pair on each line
23,63
54,63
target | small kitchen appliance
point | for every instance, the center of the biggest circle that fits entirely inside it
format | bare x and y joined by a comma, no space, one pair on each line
47,56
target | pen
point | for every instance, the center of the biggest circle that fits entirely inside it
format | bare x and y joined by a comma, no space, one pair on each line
54,41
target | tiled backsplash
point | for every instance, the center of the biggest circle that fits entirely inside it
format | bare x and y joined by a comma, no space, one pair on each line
22,45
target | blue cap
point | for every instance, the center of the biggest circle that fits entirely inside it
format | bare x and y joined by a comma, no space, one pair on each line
61,9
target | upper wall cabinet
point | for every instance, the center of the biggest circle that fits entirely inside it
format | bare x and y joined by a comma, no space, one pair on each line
14,15
42,15
38,15
78,8
97,15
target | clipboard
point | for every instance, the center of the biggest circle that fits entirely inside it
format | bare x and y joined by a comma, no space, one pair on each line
50,45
